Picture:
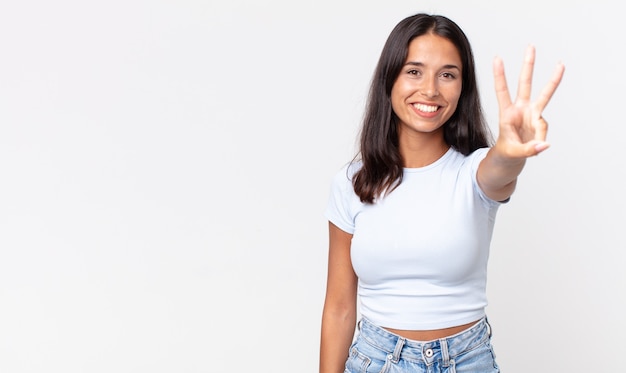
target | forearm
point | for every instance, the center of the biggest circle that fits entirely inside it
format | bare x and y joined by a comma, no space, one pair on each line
337,334
497,174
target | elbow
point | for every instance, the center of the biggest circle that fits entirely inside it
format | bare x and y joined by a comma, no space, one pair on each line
340,312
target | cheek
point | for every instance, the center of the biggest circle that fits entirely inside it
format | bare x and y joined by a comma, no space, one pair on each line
396,101
400,91
454,104
453,99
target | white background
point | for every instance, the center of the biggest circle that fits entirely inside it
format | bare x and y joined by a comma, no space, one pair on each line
164,166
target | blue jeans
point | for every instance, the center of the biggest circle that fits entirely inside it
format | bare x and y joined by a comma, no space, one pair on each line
376,350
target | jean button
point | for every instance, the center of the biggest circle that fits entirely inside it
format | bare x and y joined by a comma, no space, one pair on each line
389,356
429,352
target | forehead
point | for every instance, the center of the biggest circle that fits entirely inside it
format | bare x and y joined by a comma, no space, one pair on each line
433,49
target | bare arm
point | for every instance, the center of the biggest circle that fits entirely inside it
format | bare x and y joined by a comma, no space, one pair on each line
339,315
522,130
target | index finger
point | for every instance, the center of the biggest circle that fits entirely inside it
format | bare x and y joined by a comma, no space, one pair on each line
502,90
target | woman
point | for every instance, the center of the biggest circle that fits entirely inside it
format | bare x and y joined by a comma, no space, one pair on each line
411,219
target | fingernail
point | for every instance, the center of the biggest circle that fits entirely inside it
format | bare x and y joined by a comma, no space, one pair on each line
541,147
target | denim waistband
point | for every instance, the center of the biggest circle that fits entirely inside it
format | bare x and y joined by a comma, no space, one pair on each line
428,351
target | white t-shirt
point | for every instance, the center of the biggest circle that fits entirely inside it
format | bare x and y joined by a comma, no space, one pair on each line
421,251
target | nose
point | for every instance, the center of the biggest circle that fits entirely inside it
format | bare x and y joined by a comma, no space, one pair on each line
429,87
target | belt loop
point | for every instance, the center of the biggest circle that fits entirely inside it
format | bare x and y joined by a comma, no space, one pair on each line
489,331
396,352
445,355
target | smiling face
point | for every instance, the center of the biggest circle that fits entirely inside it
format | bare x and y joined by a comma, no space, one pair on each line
427,91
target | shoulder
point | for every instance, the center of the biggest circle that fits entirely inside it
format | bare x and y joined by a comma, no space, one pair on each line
343,203
346,173
477,154
458,160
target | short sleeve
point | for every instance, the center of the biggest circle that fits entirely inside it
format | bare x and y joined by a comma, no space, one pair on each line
339,209
476,157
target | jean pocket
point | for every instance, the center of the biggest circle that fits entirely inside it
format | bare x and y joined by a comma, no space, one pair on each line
357,362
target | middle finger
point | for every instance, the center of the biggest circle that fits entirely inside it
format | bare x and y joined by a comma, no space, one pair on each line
525,80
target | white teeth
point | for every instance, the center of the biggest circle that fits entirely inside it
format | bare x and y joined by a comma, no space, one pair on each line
425,108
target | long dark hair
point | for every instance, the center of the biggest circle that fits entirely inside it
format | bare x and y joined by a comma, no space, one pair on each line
465,131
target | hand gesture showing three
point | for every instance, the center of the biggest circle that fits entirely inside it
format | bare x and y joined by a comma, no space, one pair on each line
522,131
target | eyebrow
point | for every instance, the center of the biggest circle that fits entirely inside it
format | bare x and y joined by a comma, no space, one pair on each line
420,64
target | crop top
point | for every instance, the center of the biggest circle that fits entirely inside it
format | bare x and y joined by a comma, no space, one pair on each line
420,252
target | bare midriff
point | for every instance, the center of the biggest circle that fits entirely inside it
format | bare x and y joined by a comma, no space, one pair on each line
429,335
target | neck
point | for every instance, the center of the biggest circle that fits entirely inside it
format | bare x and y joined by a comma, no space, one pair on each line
423,150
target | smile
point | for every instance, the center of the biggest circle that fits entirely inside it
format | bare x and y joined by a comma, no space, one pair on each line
426,108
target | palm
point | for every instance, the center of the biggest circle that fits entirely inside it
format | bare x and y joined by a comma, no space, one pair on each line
523,130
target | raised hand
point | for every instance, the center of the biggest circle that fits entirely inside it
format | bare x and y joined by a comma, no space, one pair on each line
523,129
